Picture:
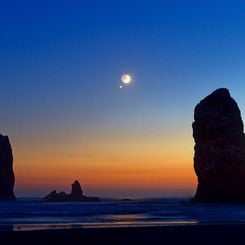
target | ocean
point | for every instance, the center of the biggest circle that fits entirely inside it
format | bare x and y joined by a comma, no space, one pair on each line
33,214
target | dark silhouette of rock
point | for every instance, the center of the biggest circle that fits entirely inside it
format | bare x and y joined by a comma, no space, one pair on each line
219,159
76,190
6,170
127,199
75,196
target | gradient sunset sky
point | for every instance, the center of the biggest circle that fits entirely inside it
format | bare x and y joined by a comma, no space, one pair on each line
67,118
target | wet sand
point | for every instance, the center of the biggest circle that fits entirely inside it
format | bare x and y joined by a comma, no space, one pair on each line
196,234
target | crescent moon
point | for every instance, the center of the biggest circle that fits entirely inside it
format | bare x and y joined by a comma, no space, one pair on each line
126,78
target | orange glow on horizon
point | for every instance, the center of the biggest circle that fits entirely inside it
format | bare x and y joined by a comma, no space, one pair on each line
111,164
106,169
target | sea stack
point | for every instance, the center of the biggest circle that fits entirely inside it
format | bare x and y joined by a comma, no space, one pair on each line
7,178
76,195
219,159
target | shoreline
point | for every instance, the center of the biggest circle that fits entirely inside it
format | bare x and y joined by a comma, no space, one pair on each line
190,234
108,225
19,228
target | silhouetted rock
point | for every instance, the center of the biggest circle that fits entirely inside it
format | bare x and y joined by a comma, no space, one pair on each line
6,170
76,190
127,200
219,160
75,196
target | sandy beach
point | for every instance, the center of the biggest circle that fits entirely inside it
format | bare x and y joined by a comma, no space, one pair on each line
197,234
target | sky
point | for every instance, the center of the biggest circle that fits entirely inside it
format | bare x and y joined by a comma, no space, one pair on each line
61,105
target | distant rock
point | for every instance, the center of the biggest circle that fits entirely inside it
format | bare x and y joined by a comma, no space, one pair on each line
76,195
76,190
126,200
7,178
219,159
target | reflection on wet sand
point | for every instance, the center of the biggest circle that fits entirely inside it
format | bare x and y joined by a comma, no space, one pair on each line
33,227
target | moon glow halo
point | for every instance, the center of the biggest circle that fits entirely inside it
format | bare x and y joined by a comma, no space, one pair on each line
126,79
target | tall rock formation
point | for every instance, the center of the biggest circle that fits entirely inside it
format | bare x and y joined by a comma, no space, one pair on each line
6,170
76,190
219,159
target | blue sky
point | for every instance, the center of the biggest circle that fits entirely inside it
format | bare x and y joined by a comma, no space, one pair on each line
61,62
